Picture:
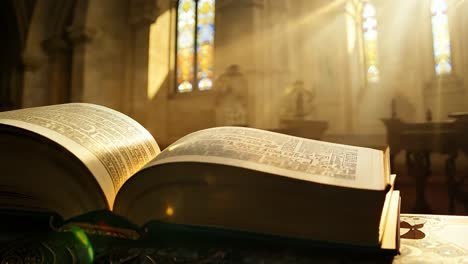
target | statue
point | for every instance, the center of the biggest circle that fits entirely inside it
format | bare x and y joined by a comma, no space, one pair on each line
298,103
232,98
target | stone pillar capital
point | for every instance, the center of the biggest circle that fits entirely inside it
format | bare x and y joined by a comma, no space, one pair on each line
143,12
55,45
81,34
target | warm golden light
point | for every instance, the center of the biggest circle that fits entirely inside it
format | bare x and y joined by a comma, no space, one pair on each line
350,27
320,13
172,147
158,66
169,211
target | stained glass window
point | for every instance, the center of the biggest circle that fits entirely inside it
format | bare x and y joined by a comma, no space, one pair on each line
185,44
205,43
369,28
441,37
195,44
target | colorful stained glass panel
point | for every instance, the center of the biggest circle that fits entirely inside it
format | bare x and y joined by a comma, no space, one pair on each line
441,37
369,27
185,44
205,43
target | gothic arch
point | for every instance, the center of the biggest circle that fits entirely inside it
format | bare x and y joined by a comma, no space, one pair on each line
47,56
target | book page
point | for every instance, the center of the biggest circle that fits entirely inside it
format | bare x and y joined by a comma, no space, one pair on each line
111,145
430,238
285,155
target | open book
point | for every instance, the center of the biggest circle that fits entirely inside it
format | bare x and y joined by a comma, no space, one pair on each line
77,158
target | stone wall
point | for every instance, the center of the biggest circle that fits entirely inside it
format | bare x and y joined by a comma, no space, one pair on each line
122,54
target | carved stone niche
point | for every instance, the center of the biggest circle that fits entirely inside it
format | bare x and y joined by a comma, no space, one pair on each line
443,96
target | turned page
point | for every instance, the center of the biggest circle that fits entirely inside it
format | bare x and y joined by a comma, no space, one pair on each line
110,144
294,157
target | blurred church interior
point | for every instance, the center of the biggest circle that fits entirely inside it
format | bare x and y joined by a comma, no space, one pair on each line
360,72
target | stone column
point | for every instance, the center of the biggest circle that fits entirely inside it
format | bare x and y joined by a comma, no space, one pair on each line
59,56
80,36
32,62
142,13
34,82
277,70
